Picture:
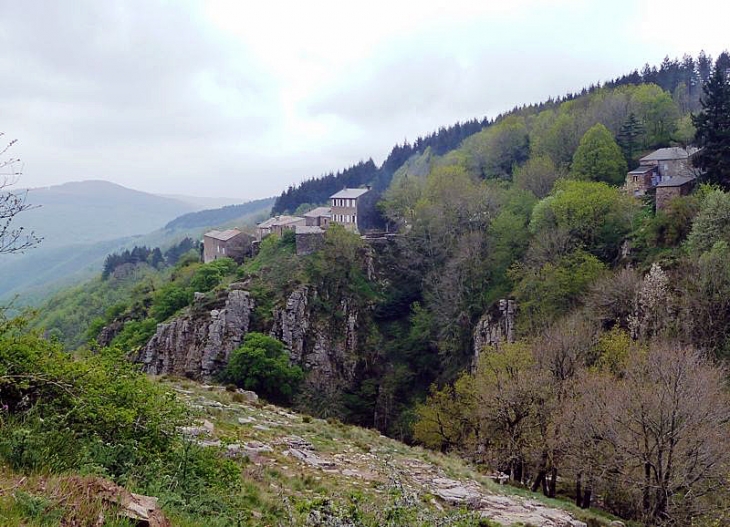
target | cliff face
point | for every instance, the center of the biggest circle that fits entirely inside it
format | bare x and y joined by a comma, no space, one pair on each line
325,348
198,344
495,327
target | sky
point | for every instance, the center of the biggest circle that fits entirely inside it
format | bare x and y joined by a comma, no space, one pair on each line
242,98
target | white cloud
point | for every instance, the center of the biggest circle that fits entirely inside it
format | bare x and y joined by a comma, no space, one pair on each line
244,98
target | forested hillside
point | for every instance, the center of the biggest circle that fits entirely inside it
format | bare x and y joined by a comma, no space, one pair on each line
222,216
682,79
529,315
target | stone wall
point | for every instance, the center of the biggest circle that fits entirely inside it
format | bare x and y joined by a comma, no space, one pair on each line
309,242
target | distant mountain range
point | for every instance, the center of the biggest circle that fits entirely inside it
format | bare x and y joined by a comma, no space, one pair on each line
82,222
92,211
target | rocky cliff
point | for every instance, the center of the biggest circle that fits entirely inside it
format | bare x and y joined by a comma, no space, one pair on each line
198,344
325,347
496,326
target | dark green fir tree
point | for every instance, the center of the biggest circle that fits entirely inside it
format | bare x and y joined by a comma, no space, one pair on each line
713,130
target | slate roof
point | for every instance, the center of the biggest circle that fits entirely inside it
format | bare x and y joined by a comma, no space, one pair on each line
307,229
278,220
665,154
349,193
319,212
223,236
676,181
643,169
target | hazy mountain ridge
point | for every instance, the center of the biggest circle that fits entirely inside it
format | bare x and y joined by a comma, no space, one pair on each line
90,211
82,222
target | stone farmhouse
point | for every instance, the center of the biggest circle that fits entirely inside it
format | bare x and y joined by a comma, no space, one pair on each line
346,207
230,243
278,225
665,173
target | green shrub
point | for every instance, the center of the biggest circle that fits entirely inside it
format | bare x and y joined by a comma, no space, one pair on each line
62,412
135,333
262,365
168,300
208,276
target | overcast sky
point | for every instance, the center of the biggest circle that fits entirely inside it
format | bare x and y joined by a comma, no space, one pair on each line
242,98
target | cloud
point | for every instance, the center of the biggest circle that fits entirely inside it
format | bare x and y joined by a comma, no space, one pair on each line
113,80
244,98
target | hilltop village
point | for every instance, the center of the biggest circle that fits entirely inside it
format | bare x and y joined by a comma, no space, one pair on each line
346,208
661,175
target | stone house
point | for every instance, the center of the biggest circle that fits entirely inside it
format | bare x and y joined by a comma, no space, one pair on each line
319,217
278,225
671,188
659,166
641,179
345,207
230,243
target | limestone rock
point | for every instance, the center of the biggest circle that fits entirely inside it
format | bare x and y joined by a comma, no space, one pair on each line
310,458
248,395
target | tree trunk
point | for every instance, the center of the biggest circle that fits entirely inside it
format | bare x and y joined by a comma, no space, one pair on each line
553,482
586,501
578,490
539,480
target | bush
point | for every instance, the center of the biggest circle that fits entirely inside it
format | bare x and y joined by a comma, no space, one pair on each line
169,300
262,365
210,275
135,333
95,412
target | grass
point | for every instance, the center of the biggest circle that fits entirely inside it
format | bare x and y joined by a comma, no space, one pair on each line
375,480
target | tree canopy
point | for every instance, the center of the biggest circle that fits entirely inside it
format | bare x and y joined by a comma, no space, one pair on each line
599,158
713,130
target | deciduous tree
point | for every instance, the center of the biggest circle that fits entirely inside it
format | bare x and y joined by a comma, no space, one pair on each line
599,158
12,238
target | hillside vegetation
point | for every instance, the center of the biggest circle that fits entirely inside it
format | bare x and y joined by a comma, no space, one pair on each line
610,389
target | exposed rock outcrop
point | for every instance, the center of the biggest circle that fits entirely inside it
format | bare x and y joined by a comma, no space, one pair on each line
199,343
325,347
495,327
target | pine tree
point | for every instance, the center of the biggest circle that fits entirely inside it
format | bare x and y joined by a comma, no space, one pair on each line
628,137
713,130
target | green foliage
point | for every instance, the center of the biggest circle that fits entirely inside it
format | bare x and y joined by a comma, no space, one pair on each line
62,412
538,175
168,300
338,272
595,214
135,333
713,130
262,364
493,152
599,158
712,223
554,289
77,312
209,275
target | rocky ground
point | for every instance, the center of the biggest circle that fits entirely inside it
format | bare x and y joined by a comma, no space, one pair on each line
347,459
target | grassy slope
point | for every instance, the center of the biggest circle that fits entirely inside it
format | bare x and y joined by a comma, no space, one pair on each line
366,477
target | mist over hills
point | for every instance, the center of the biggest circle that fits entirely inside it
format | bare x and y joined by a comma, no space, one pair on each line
82,222
91,211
